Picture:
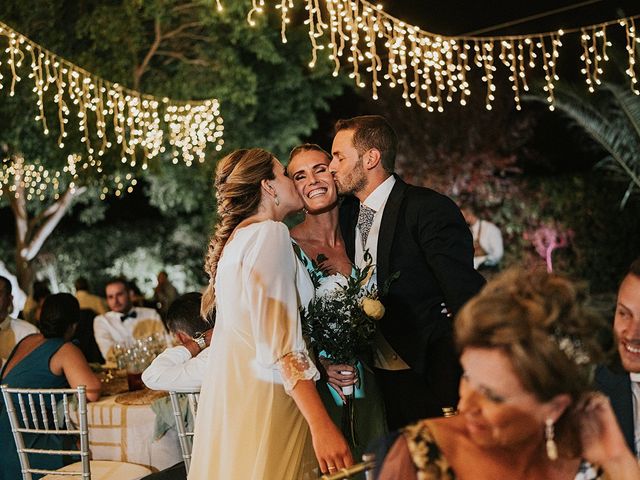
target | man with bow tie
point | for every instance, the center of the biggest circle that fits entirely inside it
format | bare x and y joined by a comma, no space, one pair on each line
418,239
12,330
124,323
621,380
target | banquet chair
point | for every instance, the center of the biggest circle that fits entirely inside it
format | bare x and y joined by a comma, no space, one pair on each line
185,435
367,465
48,412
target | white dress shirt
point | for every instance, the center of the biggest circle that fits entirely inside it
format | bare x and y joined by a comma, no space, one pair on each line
490,240
384,356
175,369
12,330
109,328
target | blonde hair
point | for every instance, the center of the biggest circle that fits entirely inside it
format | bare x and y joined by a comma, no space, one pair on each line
237,184
540,321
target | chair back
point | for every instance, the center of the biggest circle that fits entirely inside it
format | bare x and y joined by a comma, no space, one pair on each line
47,412
367,465
185,434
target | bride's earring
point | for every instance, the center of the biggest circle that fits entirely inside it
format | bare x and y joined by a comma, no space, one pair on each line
276,200
549,433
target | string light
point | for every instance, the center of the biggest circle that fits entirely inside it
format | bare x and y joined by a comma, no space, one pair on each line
106,115
36,182
431,69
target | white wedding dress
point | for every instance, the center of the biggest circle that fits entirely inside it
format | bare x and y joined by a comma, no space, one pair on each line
248,427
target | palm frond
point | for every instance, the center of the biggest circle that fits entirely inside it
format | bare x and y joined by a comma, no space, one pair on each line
613,122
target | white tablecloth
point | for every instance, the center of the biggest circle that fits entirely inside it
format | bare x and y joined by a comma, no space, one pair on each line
124,433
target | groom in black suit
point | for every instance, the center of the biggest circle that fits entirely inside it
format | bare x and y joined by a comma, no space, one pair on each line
419,242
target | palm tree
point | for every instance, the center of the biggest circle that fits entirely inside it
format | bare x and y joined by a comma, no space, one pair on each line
611,117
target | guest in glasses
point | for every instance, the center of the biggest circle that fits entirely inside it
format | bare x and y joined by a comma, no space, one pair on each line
526,408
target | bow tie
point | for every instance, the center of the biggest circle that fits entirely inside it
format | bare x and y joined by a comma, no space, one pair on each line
131,314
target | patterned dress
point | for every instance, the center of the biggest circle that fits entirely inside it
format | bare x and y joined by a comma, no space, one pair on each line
431,464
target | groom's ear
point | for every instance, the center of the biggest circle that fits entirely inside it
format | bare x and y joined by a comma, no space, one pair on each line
371,158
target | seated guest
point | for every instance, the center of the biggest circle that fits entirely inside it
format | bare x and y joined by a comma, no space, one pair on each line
526,410
182,367
12,330
44,360
85,339
89,301
33,305
124,323
620,381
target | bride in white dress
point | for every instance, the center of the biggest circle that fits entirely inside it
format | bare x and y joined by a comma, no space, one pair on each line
260,416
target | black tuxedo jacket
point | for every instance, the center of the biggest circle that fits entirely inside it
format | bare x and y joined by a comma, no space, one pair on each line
425,239
615,383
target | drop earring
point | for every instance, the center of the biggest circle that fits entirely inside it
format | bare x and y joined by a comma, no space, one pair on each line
276,200
549,434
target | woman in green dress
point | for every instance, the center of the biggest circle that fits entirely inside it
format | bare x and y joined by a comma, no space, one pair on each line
45,360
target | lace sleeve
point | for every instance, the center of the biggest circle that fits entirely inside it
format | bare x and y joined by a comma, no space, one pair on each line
296,366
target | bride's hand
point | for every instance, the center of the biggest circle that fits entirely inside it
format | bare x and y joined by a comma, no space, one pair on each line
332,450
336,377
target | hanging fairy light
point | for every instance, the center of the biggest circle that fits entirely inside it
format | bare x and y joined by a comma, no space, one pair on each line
430,69
107,114
36,182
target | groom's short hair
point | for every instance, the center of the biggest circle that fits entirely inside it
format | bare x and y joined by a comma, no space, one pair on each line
373,131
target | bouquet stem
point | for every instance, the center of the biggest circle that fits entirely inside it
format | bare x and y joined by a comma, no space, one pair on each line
349,420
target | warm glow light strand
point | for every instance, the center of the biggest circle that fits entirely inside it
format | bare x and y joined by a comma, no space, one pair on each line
138,123
432,69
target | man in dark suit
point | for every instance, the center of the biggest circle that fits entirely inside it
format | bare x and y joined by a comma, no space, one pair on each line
621,382
419,243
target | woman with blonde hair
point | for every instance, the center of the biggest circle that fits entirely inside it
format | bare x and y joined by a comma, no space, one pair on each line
526,410
319,236
260,416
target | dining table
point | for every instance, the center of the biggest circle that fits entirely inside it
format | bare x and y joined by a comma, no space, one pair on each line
124,425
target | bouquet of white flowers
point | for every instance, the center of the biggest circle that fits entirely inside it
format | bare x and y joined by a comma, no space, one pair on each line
341,323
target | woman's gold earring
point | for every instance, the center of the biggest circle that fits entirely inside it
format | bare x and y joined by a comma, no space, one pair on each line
276,200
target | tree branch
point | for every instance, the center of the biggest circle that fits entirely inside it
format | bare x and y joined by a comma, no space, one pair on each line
19,207
182,28
50,210
140,69
185,6
183,58
30,250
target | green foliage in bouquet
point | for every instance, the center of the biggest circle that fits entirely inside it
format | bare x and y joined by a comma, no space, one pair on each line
343,322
